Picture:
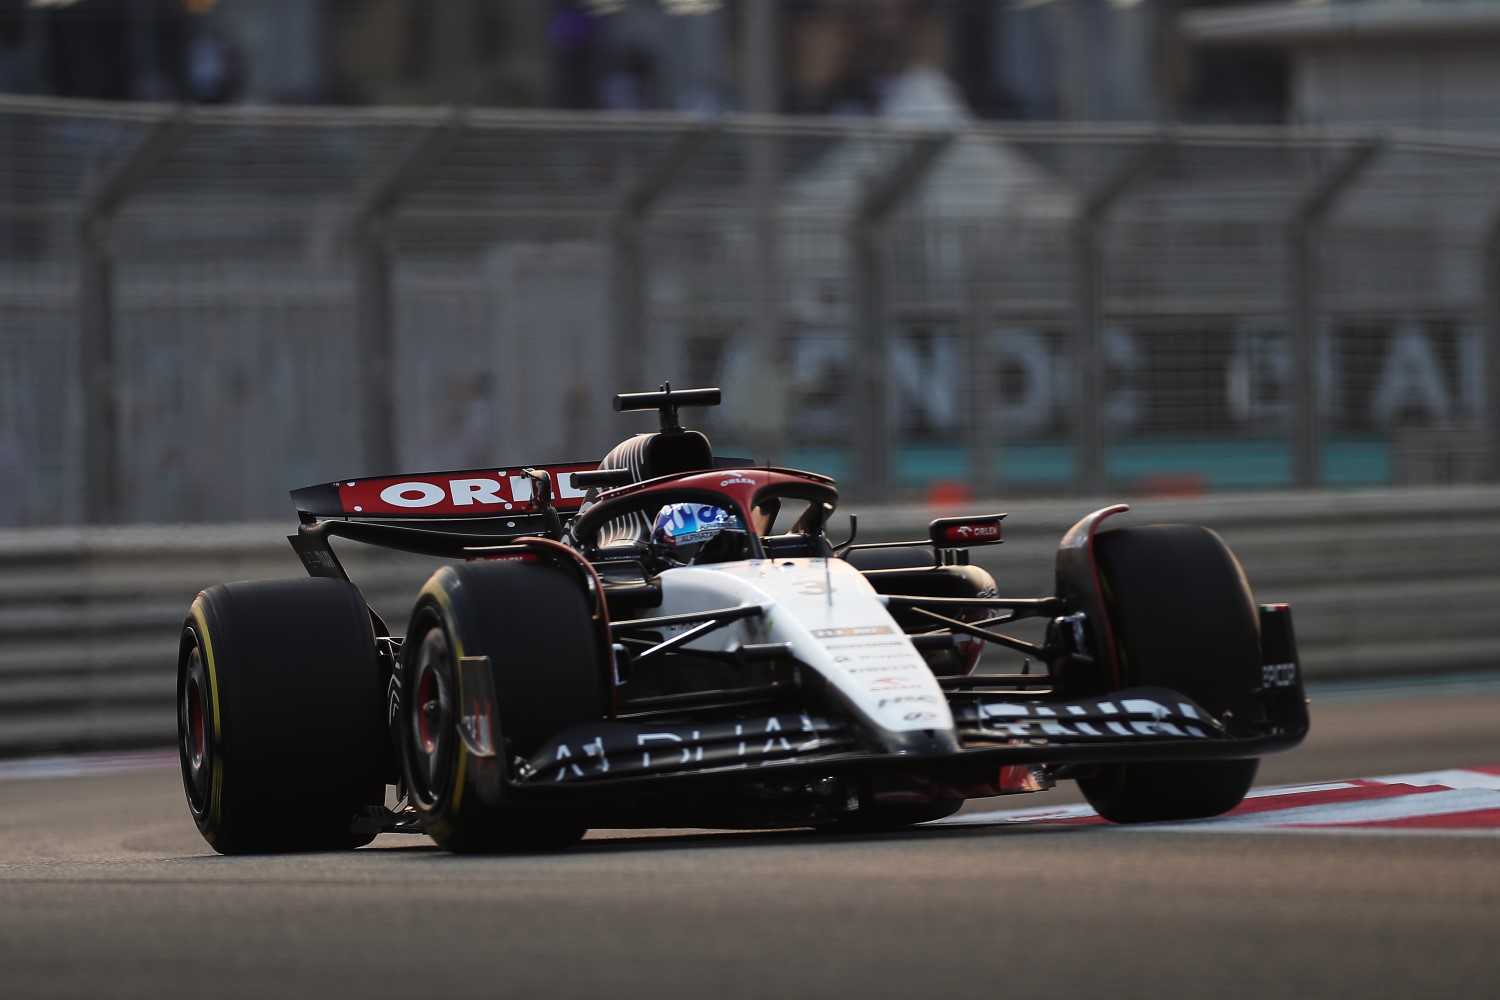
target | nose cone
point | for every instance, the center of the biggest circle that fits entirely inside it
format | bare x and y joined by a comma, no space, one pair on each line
921,742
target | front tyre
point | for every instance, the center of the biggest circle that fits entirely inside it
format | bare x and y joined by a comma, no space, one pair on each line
280,718
533,622
1183,618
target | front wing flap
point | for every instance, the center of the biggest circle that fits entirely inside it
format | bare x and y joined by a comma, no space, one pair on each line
1145,713
997,729
619,749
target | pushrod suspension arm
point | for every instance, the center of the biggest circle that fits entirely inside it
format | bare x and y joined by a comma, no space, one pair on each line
722,616
1023,607
1020,645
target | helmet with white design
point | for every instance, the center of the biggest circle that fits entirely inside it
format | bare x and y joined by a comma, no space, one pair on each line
684,533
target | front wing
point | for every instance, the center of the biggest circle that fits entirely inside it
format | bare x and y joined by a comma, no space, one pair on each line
611,759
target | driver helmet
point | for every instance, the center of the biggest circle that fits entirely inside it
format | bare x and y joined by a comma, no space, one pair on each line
682,531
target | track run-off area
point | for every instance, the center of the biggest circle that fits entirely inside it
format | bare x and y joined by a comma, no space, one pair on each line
1366,864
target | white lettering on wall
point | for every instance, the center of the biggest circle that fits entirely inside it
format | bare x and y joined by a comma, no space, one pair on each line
1410,379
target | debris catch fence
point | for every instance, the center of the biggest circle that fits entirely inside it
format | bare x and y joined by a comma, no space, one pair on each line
202,308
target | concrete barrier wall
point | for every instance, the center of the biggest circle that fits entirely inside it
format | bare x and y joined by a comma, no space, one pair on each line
1399,583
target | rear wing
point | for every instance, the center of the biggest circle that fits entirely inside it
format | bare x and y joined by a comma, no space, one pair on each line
470,494
446,514
435,513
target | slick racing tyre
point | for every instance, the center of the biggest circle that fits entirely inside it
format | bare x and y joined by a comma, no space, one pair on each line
533,622
280,718
1183,619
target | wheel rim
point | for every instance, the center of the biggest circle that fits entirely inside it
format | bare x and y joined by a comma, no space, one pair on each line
192,727
431,714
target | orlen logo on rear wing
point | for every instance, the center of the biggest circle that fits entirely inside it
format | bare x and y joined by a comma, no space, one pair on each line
472,493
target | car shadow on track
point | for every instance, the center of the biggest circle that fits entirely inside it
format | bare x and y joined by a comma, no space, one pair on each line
615,842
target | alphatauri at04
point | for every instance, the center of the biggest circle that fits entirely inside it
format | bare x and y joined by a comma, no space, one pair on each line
666,638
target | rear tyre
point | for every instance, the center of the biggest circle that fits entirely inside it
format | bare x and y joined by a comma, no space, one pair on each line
1183,618
534,623
280,720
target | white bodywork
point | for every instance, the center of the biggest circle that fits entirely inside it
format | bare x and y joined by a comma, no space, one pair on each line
836,624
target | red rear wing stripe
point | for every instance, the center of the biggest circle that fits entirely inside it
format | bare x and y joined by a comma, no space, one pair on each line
470,493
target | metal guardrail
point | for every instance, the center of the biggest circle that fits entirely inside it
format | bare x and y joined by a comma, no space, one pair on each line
1401,583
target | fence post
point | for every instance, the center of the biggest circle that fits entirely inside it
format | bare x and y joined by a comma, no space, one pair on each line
881,197
981,434
1089,472
1303,284
757,407
102,473
1490,407
375,292
628,268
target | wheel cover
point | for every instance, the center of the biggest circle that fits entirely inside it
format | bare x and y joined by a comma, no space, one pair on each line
192,728
430,715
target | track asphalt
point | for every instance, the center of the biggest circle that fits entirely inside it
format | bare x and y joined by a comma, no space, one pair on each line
108,891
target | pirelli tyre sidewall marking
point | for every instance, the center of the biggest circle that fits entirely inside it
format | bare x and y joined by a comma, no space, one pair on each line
216,776
1278,676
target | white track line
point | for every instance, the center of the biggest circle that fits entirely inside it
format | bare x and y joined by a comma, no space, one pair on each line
1445,803
1464,791
70,767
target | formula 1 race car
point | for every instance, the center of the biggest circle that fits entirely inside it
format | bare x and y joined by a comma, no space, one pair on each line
671,639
